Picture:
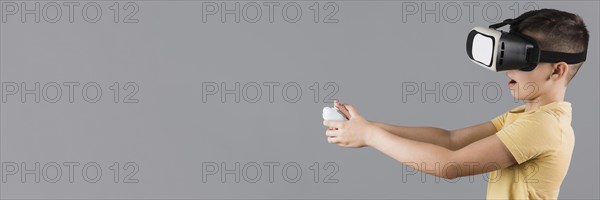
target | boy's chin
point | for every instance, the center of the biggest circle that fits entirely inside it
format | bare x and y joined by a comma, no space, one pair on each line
516,97
523,99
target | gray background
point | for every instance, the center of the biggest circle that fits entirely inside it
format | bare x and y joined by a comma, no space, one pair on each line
170,52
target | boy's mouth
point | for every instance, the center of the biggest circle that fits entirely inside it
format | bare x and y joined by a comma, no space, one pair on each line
511,83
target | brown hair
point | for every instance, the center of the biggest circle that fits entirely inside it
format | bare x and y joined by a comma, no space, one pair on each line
561,31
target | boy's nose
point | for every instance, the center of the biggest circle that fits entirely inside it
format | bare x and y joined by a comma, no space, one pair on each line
509,73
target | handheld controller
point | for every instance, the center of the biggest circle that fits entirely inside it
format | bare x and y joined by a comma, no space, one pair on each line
332,113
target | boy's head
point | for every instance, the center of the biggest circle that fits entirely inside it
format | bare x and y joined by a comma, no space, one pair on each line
553,30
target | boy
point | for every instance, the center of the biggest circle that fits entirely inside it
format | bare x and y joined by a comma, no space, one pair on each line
527,149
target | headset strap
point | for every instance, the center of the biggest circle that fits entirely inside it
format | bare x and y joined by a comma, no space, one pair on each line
514,22
545,56
569,58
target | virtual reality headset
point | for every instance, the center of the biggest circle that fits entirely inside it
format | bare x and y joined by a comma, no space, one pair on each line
497,50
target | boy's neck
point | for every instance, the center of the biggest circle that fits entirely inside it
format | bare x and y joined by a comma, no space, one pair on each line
542,100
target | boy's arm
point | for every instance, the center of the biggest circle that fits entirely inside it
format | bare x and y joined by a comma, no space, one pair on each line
453,140
432,135
484,155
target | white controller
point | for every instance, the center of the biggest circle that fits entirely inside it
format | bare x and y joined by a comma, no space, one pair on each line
330,113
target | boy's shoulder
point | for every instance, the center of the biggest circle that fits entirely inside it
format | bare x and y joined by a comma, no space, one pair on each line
560,106
548,116
560,110
554,108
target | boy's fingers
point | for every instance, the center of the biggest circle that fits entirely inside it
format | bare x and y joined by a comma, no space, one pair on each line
352,110
342,108
333,140
332,133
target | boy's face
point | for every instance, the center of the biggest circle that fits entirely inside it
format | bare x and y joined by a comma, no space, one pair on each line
528,85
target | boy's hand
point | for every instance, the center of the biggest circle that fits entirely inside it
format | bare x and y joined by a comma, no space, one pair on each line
351,133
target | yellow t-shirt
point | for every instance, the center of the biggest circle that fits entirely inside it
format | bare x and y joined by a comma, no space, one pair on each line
541,141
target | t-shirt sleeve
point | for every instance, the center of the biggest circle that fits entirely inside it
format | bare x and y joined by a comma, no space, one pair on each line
531,135
499,121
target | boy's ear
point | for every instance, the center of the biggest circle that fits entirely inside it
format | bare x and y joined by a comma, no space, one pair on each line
560,70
